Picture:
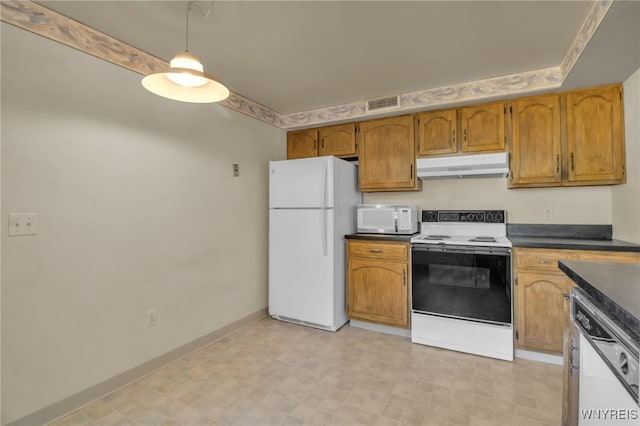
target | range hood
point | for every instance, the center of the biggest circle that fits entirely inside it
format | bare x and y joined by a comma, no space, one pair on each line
464,166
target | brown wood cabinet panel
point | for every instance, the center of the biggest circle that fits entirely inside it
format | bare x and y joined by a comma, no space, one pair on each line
541,310
339,141
387,155
437,132
541,259
302,144
378,278
608,256
536,142
374,249
378,291
483,127
541,306
595,136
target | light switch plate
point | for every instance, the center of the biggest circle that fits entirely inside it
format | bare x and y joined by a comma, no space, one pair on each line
23,224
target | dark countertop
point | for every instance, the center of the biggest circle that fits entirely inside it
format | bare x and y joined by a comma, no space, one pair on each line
573,243
614,286
381,237
578,237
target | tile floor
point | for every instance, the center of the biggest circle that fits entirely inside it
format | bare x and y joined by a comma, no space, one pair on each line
274,373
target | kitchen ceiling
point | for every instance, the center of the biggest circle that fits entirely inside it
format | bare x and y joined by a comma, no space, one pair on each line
294,56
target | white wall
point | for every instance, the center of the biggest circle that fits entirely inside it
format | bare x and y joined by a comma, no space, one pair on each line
626,198
576,205
137,209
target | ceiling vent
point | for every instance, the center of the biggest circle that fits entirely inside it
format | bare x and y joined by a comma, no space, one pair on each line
383,104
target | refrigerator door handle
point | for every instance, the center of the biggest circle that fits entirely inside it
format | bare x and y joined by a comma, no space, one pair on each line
323,205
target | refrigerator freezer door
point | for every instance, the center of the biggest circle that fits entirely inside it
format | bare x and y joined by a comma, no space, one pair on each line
301,276
303,183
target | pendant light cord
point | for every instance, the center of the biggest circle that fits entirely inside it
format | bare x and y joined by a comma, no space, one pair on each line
204,14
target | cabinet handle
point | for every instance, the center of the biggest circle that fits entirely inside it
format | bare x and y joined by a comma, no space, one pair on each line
543,261
315,144
322,143
464,134
375,251
558,163
573,164
411,171
573,365
404,277
453,136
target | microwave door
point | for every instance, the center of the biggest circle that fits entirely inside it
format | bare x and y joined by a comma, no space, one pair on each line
376,220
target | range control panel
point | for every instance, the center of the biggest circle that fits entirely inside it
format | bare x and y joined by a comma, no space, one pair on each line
481,216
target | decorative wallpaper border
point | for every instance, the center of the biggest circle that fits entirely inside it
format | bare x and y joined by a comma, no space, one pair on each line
597,11
47,23
511,84
50,24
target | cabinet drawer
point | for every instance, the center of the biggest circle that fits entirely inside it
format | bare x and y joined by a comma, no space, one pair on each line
608,256
541,258
380,250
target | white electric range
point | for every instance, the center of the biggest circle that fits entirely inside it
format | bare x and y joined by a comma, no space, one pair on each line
461,282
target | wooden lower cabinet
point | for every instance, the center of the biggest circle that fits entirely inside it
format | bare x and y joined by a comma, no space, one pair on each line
542,290
542,308
378,276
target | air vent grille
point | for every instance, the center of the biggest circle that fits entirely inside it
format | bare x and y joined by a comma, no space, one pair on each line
388,102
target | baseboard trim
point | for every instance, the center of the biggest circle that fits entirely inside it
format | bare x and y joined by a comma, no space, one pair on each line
539,356
76,401
381,328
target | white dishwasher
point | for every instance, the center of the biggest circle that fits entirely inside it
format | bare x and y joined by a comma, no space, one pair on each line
609,368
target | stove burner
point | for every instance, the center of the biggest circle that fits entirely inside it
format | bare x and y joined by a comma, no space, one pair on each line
483,239
436,237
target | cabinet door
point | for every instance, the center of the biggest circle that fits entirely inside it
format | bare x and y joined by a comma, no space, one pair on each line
483,127
541,310
536,149
387,154
302,144
339,141
595,139
378,291
437,132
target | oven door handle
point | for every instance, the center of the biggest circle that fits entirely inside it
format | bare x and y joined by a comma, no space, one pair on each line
443,248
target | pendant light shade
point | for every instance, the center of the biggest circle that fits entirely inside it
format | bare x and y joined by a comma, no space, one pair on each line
185,80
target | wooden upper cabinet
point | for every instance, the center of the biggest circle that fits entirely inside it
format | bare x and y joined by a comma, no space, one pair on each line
387,155
339,141
536,143
483,127
595,136
302,144
437,132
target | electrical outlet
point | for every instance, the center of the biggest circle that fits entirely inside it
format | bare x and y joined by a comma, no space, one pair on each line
152,318
23,224
547,213
236,169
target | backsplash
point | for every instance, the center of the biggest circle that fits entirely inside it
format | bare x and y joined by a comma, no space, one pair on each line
569,205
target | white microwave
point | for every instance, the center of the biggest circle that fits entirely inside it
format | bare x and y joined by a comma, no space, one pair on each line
387,219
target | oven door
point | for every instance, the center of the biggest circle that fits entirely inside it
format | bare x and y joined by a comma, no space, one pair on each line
464,282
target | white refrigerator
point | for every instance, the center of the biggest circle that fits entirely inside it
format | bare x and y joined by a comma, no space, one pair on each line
312,205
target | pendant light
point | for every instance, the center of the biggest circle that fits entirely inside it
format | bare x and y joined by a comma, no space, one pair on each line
185,80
